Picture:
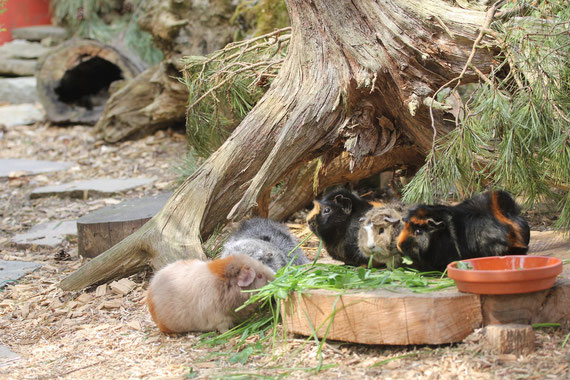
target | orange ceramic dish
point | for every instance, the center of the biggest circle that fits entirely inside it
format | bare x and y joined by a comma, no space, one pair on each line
505,274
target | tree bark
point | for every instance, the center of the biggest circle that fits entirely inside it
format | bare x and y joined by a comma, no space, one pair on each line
354,79
156,99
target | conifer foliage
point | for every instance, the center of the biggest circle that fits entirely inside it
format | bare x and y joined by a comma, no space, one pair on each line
513,130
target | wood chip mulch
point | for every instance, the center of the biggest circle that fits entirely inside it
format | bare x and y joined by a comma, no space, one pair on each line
105,332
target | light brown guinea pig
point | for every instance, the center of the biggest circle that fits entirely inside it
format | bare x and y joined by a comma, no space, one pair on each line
194,295
379,228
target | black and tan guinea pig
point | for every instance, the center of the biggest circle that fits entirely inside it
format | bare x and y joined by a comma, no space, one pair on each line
335,219
487,224
195,295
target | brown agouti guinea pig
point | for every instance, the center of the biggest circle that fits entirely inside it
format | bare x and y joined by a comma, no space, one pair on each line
194,295
379,229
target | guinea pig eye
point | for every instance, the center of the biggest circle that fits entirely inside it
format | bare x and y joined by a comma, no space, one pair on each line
380,230
418,231
259,276
326,210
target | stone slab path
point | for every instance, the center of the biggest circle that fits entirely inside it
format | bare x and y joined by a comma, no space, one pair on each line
47,234
19,167
13,270
20,114
95,187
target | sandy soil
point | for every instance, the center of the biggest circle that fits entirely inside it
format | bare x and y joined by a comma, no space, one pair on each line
103,333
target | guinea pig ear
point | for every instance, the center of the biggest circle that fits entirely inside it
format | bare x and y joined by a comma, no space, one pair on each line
246,276
436,224
391,220
344,202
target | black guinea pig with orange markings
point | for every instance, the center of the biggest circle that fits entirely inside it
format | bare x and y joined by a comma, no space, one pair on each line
487,224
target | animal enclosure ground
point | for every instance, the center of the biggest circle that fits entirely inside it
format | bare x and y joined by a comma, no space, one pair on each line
109,335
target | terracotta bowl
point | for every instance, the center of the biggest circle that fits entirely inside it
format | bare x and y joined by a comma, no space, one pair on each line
505,274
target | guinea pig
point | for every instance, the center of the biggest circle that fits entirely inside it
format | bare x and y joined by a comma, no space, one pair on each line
335,219
194,295
487,224
379,229
267,241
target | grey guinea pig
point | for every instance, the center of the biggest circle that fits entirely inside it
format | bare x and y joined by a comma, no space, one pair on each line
267,241
378,232
194,295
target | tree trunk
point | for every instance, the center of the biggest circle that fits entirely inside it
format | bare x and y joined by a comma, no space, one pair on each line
354,79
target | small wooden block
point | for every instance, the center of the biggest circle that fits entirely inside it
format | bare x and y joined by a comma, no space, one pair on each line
101,290
122,287
84,298
112,304
510,339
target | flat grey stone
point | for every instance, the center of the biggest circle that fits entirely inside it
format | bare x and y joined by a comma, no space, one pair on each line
30,167
23,49
20,114
133,209
94,187
7,356
18,67
11,271
18,90
39,32
48,234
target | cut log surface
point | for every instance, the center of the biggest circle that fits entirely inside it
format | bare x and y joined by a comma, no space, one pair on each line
401,317
510,339
398,317
101,229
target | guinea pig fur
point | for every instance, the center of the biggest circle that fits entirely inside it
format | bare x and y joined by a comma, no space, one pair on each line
487,224
267,241
194,295
335,219
379,229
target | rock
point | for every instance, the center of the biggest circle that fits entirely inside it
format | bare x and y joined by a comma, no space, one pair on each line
11,166
20,114
11,271
96,187
23,49
7,356
18,90
48,234
18,67
40,32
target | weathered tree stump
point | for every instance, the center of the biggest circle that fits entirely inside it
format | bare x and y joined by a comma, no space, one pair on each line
73,79
510,339
101,229
352,71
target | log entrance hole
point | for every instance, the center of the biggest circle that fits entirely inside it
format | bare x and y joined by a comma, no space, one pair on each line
74,79
87,84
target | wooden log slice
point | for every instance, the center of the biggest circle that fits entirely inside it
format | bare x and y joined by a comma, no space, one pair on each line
103,228
397,317
73,79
